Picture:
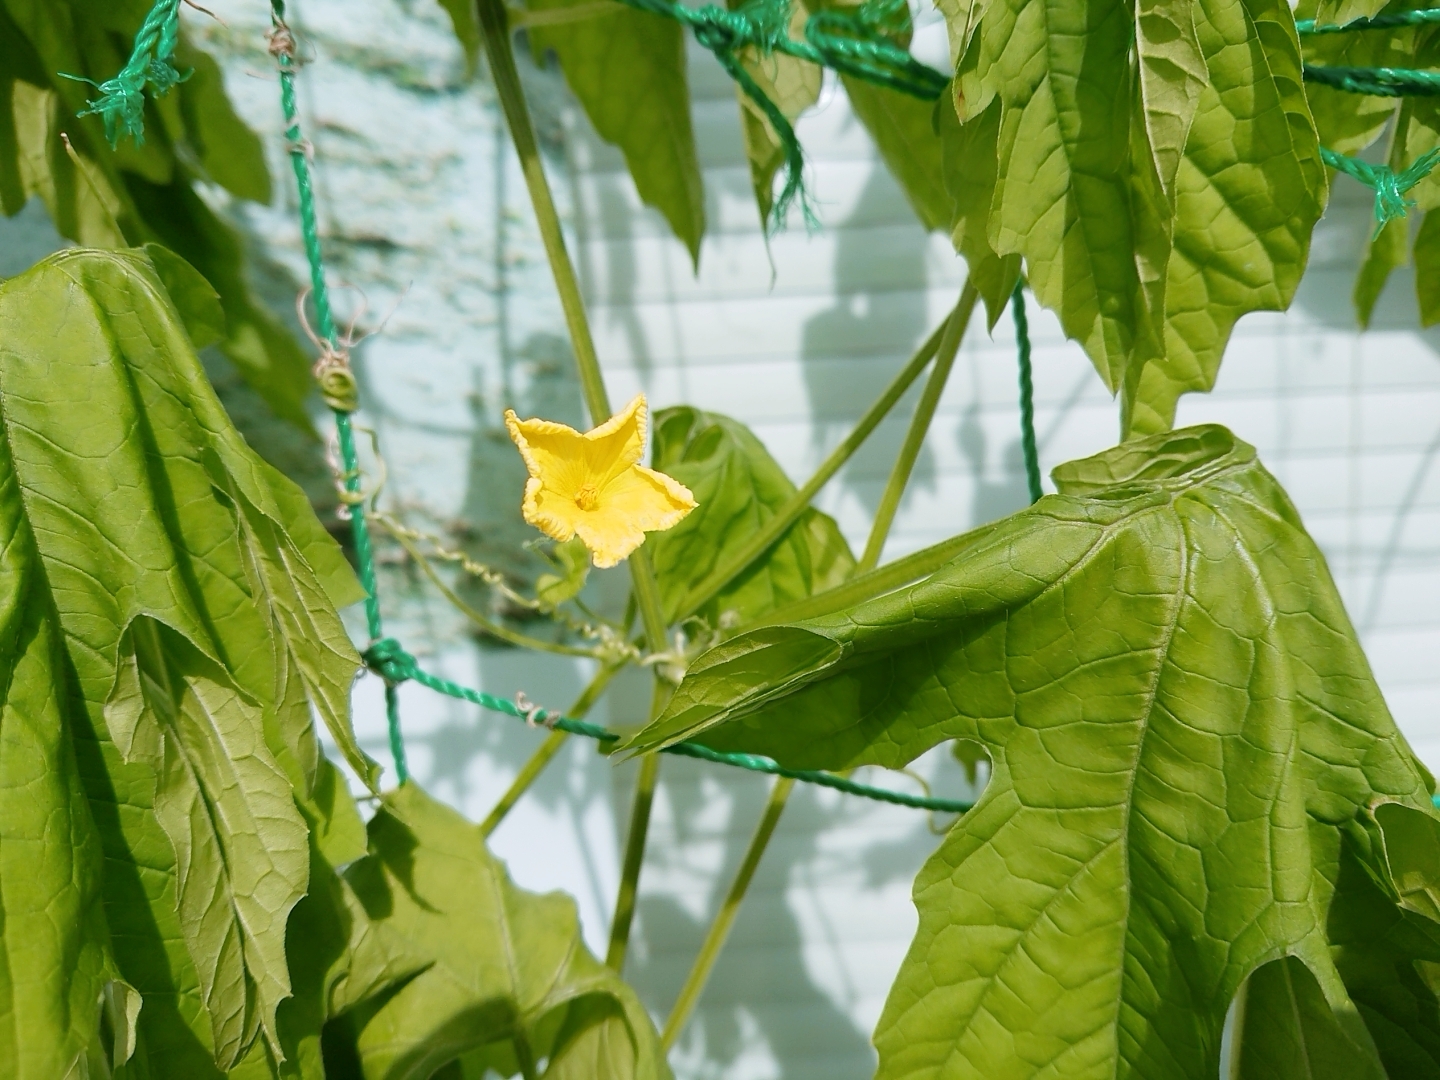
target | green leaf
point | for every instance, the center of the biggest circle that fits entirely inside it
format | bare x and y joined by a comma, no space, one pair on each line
193,627
1385,955
1248,193
193,297
504,965
1132,148
627,68
739,487
572,559
114,199
970,170
1384,252
1427,268
466,27
1181,723
903,128
228,152
1289,1031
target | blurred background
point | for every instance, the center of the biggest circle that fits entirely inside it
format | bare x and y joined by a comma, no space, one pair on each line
424,215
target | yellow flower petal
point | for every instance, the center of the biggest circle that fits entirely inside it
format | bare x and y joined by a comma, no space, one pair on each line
593,485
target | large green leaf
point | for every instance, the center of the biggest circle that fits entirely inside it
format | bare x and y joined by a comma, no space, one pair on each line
507,971
1156,166
739,487
1182,728
1248,192
969,163
189,634
627,68
101,197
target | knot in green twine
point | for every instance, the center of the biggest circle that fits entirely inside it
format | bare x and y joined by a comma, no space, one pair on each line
337,383
121,104
1389,186
388,659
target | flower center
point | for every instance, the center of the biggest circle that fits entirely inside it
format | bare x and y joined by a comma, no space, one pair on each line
587,498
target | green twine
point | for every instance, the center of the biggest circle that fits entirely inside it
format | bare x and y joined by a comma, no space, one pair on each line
853,42
121,104
1390,187
1027,393
1377,82
282,46
1423,17
388,659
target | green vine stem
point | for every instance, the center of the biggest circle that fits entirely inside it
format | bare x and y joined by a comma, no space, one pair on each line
895,486
725,919
489,626
634,856
1028,448
495,31
773,529
548,749
945,347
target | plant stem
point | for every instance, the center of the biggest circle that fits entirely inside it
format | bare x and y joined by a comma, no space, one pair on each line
494,28
895,486
797,503
725,919
634,856
524,1056
1027,394
494,629
548,749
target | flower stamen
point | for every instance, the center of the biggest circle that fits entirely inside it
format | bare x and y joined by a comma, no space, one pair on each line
587,498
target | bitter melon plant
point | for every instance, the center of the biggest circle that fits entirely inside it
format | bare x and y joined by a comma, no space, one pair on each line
1199,815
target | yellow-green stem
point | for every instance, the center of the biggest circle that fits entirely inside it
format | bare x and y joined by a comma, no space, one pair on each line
919,428
548,749
489,626
725,919
524,1056
773,529
634,856
495,30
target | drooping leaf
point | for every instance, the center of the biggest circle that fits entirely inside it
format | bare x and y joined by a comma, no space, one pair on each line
1182,726
1130,148
101,197
627,69
969,163
903,128
1248,193
738,486
505,966
1427,268
1384,252
793,85
193,629
1385,956
572,560
1289,1031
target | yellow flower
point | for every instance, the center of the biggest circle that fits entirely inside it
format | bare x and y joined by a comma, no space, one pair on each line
593,485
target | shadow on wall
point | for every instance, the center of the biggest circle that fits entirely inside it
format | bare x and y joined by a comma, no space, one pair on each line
852,350
760,995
